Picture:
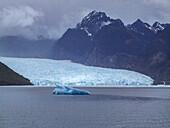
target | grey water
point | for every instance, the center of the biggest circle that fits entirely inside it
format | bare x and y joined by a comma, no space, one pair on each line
37,107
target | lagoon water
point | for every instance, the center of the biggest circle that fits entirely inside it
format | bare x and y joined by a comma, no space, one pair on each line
37,107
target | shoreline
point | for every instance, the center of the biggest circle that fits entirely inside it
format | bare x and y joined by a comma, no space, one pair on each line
117,86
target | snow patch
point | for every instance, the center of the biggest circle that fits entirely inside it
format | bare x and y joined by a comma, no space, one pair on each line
134,29
85,29
105,23
158,27
149,27
88,33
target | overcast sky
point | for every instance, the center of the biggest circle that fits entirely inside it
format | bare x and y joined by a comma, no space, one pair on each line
53,17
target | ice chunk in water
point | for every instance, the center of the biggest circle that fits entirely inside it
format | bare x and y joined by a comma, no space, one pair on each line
62,90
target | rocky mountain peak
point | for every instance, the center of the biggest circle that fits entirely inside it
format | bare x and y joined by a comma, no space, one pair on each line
138,21
140,27
158,26
94,21
138,24
94,17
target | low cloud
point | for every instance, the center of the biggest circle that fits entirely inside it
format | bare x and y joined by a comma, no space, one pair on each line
162,2
21,17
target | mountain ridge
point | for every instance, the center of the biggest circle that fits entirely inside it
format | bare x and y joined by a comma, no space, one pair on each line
19,46
9,77
137,46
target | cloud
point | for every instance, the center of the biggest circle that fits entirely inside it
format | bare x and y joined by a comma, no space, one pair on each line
159,10
53,17
162,2
22,16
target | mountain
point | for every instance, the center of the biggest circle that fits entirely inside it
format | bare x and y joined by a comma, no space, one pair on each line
159,55
144,30
158,26
9,77
19,46
101,41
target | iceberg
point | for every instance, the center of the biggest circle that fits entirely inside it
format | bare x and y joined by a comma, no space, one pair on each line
63,90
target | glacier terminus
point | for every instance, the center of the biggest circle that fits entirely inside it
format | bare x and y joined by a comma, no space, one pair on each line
46,72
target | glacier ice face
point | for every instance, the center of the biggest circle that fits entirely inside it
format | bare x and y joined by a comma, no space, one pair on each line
46,72
62,90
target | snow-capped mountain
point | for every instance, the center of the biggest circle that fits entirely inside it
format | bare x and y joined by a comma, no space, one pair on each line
143,31
141,27
94,21
99,40
158,27
54,72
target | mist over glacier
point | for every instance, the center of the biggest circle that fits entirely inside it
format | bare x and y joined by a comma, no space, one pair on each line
48,72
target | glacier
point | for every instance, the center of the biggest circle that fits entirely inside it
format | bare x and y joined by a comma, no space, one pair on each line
63,90
46,72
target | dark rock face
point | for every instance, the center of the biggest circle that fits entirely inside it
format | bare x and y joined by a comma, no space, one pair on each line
75,47
9,77
101,41
144,30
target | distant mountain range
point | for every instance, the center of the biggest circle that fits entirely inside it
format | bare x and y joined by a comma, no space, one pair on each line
19,46
99,40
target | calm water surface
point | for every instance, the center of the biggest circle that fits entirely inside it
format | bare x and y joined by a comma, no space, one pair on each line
37,107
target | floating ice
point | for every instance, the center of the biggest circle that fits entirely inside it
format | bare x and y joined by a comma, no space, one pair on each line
69,91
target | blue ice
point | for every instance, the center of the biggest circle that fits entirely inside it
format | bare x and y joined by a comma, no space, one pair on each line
63,90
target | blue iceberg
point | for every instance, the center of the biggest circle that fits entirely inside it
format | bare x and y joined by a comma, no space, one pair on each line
62,90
